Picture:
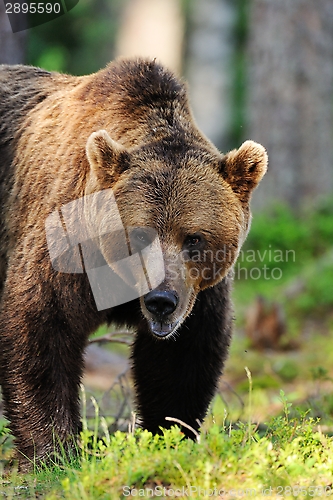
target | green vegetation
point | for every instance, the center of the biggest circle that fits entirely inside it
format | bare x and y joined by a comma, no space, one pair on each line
80,42
308,234
300,245
300,249
291,457
291,452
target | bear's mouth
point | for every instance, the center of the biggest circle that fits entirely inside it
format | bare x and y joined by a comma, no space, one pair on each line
162,330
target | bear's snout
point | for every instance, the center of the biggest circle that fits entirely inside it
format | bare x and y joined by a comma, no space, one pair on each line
161,304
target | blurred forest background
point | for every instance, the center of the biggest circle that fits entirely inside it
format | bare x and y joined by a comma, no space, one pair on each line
261,70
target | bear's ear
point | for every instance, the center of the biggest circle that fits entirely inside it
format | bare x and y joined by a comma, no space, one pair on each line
244,168
107,158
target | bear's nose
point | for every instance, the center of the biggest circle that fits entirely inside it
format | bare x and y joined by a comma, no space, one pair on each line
161,303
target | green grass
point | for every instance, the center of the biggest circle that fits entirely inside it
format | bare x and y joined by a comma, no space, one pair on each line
270,442
290,453
292,456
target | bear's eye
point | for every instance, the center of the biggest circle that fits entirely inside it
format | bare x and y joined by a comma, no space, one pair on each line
193,241
141,238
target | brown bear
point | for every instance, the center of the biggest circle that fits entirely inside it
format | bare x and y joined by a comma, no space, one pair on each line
124,139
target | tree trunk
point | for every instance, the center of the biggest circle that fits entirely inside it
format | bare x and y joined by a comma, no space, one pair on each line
152,28
209,70
12,45
290,97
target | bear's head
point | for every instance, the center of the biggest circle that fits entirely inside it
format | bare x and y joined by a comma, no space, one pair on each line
190,199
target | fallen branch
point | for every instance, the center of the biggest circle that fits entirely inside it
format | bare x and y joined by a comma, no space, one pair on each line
125,338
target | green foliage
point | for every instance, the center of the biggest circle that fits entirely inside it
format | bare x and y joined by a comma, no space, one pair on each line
139,463
292,451
321,225
6,442
279,231
317,296
79,42
319,373
3,429
283,247
308,235
264,381
287,369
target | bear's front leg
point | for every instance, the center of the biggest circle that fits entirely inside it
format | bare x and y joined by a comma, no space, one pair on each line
41,365
178,377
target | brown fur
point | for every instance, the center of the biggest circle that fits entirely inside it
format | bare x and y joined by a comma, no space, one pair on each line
128,127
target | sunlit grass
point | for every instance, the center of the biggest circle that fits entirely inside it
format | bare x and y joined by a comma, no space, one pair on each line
291,450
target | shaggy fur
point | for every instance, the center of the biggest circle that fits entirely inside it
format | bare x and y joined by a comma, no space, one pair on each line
129,128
